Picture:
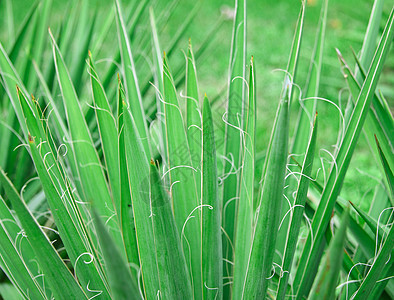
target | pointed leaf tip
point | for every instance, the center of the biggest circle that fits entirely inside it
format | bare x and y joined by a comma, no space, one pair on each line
50,33
376,140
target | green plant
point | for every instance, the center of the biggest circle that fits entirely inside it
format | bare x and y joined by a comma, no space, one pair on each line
127,203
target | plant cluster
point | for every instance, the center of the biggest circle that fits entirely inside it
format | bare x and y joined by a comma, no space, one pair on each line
111,189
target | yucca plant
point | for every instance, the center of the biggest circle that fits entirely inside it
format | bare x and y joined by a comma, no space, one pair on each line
134,198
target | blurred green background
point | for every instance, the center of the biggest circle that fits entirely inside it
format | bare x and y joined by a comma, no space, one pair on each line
270,30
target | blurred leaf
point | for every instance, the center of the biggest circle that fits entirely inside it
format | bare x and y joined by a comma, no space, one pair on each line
371,34
9,292
159,92
10,80
387,169
327,278
22,33
119,276
37,43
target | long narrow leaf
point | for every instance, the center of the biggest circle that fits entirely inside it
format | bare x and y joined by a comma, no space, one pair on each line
234,125
108,133
63,206
243,237
296,213
63,285
119,276
291,77
310,256
12,262
133,94
212,267
327,278
173,278
259,267
90,172
138,176
379,262
193,115
182,179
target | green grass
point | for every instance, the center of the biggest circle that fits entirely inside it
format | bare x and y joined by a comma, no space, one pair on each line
122,182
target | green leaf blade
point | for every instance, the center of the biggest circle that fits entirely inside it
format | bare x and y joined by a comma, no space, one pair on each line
235,116
12,262
108,133
212,267
193,117
297,214
63,206
327,278
243,237
305,274
90,172
119,276
380,262
133,94
182,178
63,285
173,276
137,173
264,237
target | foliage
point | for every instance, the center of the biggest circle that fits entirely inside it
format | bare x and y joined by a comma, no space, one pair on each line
111,188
